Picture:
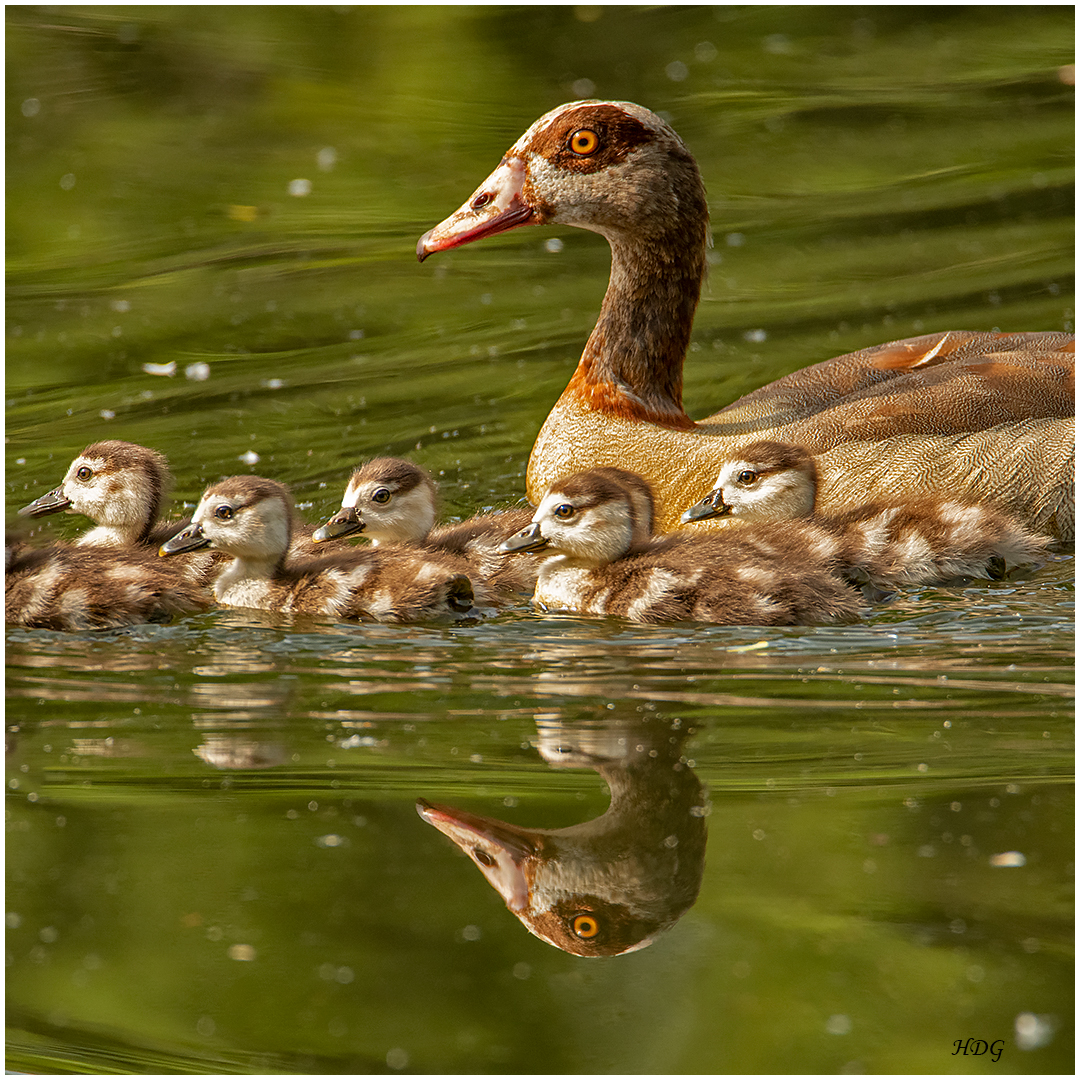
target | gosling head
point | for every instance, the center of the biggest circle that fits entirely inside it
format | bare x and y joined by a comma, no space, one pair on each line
593,517
244,516
765,481
120,486
390,500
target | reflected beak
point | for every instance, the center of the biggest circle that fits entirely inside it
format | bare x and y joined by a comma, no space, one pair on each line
500,850
189,539
49,503
496,206
529,539
345,522
711,506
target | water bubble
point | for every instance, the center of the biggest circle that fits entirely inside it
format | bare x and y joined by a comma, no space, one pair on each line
31,107
1033,1031
299,188
1008,858
67,181
583,88
326,158
676,71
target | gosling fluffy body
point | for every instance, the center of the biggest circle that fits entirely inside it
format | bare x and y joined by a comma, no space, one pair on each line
932,540
595,529
68,587
395,502
251,519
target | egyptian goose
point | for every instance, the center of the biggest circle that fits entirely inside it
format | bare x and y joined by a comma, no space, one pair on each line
66,587
251,519
393,501
595,528
914,542
618,169
611,885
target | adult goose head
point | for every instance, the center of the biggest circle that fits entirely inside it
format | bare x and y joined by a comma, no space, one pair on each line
620,170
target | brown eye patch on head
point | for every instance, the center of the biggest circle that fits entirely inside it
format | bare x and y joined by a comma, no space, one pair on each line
591,138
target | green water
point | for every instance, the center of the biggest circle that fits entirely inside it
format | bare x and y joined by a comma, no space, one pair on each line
214,861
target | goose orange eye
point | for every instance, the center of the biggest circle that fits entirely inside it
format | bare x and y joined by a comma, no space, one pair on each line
584,142
585,926
224,513
381,495
84,472
565,511
747,477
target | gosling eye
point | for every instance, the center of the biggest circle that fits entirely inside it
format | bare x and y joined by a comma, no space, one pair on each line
746,477
482,857
584,142
585,926
564,511
381,495
224,512
84,472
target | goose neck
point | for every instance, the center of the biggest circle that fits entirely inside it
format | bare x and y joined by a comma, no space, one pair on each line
632,365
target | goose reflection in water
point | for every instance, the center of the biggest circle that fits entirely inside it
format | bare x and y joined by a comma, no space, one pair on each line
610,885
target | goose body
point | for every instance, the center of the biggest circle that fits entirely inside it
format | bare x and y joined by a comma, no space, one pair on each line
595,529
392,501
928,540
251,519
69,587
618,169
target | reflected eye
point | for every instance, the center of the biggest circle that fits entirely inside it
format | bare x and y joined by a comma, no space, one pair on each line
224,512
565,511
746,477
584,142
481,200
380,495
84,472
585,926
482,857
